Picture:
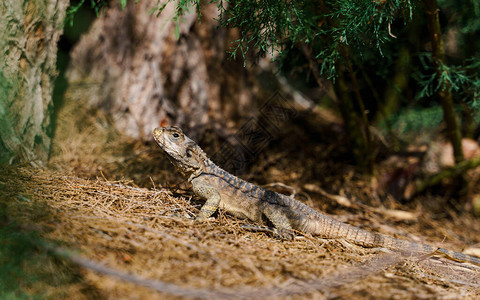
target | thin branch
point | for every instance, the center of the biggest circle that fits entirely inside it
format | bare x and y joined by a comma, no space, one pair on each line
458,169
159,286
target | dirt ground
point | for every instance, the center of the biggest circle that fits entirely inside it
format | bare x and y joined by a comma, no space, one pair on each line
109,218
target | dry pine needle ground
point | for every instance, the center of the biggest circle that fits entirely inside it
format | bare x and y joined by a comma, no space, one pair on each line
146,234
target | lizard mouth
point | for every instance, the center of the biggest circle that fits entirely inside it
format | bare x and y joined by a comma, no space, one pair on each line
159,137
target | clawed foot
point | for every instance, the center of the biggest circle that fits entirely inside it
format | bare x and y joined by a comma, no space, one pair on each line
184,216
194,219
201,219
282,234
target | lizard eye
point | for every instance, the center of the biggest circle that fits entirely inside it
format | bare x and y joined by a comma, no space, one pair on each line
175,136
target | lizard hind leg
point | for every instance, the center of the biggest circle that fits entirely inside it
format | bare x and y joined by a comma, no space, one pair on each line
281,222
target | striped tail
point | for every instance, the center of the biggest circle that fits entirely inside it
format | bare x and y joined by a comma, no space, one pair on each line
460,257
330,228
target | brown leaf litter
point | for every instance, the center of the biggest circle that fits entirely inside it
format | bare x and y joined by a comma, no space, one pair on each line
137,243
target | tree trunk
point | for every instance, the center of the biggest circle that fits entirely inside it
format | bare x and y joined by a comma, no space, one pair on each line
144,71
29,33
445,94
360,145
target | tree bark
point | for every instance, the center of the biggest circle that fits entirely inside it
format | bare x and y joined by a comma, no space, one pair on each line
29,33
132,65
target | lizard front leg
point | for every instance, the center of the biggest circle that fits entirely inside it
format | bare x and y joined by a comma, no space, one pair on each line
210,194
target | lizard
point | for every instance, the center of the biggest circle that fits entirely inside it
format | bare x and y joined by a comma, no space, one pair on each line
245,200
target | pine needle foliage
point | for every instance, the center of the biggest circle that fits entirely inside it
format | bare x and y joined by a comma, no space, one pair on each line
96,5
462,80
364,27
270,27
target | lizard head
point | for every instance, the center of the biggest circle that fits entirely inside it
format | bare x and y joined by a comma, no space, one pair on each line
184,153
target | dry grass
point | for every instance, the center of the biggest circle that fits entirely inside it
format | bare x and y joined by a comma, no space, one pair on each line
145,232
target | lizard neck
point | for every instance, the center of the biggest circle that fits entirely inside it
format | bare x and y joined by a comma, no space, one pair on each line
206,167
211,169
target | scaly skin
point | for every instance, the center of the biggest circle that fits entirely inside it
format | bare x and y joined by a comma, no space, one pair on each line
242,199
